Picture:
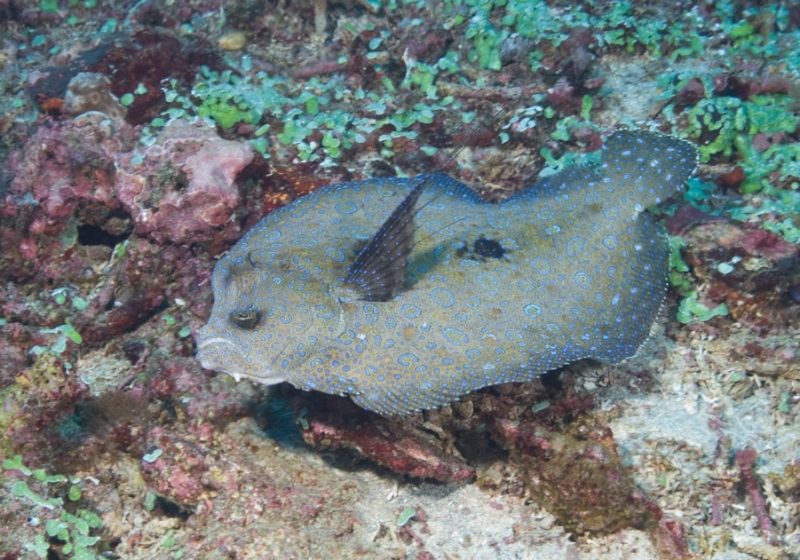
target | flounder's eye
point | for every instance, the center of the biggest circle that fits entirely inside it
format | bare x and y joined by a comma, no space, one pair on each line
245,317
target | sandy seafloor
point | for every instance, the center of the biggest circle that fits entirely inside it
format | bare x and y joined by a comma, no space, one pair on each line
676,428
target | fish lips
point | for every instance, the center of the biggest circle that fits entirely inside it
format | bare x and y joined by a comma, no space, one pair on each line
217,353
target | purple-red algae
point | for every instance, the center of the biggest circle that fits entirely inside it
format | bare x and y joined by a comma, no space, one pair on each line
730,179
181,472
748,269
402,449
65,167
562,96
687,217
744,459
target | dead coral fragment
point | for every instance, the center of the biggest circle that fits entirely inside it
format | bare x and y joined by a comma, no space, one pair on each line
89,92
388,442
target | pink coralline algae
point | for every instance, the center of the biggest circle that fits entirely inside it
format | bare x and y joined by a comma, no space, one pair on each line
88,172
184,188
65,171
66,165
180,471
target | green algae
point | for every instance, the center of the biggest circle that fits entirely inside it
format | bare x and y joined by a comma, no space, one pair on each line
302,112
679,276
692,311
405,516
71,530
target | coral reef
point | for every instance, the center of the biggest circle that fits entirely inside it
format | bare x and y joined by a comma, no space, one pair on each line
115,442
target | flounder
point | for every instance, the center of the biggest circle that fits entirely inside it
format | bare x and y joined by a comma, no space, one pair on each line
406,294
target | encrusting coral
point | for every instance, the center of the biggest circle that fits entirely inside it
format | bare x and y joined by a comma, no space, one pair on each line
89,91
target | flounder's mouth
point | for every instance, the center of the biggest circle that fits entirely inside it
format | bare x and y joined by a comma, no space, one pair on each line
204,342
220,354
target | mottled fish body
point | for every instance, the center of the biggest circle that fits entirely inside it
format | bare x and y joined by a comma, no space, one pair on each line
487,293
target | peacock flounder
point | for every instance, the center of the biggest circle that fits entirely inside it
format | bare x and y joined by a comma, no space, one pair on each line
407,293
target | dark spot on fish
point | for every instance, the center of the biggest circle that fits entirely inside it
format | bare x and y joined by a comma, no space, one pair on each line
245,318
488,248
482,249
236,270
359,246
227,278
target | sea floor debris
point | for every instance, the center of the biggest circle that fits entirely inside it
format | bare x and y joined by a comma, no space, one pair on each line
115,441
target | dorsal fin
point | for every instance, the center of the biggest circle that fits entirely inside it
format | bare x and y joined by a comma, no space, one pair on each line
377,274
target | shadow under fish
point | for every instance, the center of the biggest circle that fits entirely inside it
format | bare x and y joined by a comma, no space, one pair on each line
405,294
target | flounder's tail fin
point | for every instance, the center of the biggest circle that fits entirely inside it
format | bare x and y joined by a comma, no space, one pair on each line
645,168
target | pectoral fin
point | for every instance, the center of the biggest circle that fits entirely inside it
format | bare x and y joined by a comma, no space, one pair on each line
378,272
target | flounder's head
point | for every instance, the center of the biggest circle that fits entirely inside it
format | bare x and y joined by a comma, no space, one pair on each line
271,314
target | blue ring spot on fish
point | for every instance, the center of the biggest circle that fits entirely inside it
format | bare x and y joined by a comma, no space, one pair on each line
489,283
541,265
583,280
443,297
575,246
346,207
610,242
532,310
455,336
334,254
407,359
411,311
